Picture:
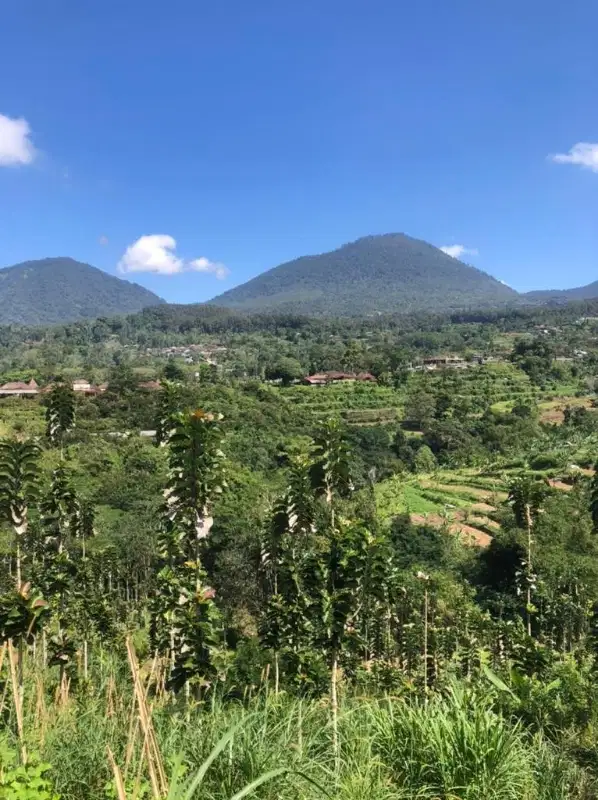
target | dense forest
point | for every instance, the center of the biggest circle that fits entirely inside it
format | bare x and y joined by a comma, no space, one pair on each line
53,290
221,582
375,274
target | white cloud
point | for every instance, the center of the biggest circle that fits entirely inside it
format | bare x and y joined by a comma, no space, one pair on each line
157,253
214,267
583,154
458,250
15,146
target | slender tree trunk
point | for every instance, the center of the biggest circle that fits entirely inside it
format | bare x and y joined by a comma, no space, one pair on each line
528,519
276,673
85,659
300,729
334,706
18,563
426,604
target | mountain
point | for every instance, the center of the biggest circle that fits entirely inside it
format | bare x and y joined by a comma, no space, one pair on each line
387,273
54,290
562,295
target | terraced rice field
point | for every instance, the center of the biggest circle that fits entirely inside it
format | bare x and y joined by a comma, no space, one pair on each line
466,501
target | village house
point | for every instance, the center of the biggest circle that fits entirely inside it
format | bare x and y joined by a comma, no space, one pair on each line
19,389
444,362
81,385
332,376
150,386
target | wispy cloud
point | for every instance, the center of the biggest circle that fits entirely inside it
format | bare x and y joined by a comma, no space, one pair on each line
582,154
16,147
458,250
157,253
214,267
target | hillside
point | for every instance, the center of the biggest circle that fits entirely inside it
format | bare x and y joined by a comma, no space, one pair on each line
562,295
54,290
387,273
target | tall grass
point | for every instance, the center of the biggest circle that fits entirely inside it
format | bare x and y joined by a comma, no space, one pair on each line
454,747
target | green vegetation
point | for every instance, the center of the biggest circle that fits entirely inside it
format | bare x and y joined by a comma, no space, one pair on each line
376,274
219,583
60,289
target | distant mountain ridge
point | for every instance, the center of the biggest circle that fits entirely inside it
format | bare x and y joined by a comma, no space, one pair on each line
54,290
375,274
562,295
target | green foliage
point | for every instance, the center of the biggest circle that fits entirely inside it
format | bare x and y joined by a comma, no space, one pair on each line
59,289
330,464
372,275
286,370
425,460
24,782
60,413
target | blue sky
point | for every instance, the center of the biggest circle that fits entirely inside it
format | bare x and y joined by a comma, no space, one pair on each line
250,133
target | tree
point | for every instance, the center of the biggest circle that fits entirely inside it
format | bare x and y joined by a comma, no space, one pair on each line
173,371
183,603
285,370
425,461
594,499
19,487
330,470
420,407
534,357
60,413
285,625
169,403
526,495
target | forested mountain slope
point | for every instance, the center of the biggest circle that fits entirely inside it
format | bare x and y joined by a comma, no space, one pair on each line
562,295
386,273
55,290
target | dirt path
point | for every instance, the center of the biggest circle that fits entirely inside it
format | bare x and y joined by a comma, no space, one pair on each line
469,534
565,487
482,507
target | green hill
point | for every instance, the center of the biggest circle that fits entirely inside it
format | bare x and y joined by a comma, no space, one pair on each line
387,273
562,295
54,290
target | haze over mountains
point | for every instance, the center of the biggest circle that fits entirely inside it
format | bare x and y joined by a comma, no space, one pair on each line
390,273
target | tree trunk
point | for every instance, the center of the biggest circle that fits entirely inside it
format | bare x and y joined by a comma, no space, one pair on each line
426,644
334,706
528,519
18,563
85,659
